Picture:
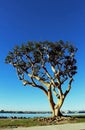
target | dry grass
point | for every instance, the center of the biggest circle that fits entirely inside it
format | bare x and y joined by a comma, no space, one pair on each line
39,121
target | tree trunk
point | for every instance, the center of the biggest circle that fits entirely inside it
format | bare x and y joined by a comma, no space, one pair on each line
56,112
56,109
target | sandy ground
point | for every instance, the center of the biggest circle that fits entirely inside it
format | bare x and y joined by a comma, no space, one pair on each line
77,126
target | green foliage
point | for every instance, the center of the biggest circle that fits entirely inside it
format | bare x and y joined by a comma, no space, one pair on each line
34,56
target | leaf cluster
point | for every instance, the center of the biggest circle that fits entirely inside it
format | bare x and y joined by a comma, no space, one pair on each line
34,57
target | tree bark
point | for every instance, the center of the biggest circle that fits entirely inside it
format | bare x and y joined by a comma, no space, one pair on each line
56,108
57,112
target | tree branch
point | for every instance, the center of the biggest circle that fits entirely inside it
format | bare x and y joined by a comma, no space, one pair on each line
64,80
33,84
57,76
55,93
49,76
39,79
38,86
50,97
25,82
69,87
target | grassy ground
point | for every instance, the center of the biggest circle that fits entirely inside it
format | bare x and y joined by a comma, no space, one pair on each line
80,119
18,122
39,121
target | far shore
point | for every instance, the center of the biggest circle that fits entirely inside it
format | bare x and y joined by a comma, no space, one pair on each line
40,112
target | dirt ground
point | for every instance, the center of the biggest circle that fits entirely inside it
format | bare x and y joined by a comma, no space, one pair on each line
75,126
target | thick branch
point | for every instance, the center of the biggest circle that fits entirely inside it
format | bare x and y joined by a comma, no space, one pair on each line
38,86
39,79
52,67
25,82
57,76
33,84
50,97
47,73
55,93
49,76
69,87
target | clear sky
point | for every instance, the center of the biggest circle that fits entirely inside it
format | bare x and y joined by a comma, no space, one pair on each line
39,20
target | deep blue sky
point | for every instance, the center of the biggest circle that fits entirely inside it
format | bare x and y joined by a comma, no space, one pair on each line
39,20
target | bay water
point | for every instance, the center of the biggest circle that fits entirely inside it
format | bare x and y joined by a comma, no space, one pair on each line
25,115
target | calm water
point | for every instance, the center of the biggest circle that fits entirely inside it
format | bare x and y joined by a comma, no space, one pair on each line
32,115
23,115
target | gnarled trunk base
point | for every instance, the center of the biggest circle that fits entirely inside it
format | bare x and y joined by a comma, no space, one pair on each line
56,107
56,112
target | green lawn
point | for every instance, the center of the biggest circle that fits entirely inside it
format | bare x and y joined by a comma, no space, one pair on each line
18,122
80,118
37,122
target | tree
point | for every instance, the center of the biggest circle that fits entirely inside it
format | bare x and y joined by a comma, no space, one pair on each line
47,66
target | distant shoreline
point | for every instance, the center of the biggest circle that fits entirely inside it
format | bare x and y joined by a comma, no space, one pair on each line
40,112
27,112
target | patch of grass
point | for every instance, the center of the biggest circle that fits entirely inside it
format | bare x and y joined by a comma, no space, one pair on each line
38,121
80,118
18,122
